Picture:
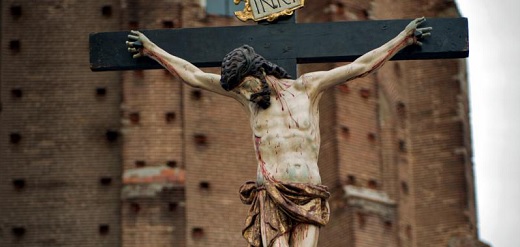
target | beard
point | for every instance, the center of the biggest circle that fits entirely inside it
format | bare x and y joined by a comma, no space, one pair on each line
262,99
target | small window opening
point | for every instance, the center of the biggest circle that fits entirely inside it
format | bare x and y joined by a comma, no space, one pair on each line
140,163
111,135
15,138
365,93
105,181
168,24
402,146
197,232
344,88
104,229
133,25
371,137
17,93
172,206
361,219
351,180
170,117
373,184
204,185
345,131
101,91
16,11
135,207
200,139
196,94
404,188
134,117
19,183
171,163
106,11
15,45
18,231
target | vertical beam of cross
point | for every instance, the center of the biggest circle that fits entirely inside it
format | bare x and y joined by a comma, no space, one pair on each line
289,64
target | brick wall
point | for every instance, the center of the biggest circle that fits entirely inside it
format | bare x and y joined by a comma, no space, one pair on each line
59,144
429,104
153,205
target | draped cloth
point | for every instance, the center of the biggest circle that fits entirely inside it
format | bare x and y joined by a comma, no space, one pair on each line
281,207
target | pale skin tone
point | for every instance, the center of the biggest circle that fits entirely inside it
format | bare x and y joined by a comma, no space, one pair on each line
286,135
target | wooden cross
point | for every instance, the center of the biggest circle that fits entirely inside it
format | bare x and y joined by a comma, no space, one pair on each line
286,43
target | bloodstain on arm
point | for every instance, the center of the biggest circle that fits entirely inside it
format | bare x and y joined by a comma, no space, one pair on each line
362,66
183,69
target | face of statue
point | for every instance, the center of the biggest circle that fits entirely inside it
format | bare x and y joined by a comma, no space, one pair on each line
249,86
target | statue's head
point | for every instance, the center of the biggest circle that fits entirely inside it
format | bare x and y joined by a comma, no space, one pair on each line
242,66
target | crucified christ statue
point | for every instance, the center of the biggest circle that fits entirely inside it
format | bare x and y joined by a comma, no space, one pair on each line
289,204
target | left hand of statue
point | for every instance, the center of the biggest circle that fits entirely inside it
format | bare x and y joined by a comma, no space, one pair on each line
136,44
414,34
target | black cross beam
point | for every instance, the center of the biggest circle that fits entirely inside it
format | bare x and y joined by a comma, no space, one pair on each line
285,44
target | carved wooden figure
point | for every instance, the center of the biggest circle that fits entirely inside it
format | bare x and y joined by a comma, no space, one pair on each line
289,204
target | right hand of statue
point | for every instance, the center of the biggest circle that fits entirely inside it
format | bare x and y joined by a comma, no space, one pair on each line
414,33
136,43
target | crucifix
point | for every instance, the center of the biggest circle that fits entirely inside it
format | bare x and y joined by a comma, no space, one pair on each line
288,202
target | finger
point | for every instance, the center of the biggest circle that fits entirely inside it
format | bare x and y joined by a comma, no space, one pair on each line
135,32
424,29
137,55
133,50
137,44
133,37
419,21
419,43
426,35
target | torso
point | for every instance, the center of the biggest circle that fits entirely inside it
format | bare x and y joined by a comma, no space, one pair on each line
286,135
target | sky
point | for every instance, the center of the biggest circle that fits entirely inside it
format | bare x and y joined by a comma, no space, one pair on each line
494,82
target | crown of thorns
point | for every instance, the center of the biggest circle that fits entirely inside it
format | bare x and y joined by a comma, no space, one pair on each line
244,61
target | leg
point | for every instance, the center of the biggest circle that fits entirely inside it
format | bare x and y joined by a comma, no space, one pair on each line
305,235
282,241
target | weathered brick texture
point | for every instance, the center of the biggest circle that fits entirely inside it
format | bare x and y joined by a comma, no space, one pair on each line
59,142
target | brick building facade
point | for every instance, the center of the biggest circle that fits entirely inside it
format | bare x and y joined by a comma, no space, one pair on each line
137,158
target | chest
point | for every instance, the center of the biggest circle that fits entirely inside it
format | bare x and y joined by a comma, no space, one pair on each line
290,110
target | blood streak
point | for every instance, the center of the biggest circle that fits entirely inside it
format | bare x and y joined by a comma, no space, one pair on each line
163,62
266,173
380,63
283,101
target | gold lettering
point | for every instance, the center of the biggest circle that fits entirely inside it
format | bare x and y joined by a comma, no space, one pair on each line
260,9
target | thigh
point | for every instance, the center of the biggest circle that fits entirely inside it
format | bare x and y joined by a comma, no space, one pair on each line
305,235
282,241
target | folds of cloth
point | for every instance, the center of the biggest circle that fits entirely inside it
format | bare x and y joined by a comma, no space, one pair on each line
280,207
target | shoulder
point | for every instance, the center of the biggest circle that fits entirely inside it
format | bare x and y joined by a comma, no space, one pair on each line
307,82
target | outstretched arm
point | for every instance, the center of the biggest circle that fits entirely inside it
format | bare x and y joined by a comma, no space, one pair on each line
372,60
140,45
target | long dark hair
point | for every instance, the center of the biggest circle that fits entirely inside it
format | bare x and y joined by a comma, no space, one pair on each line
244,61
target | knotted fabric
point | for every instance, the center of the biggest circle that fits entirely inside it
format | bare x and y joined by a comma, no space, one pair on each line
281,207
